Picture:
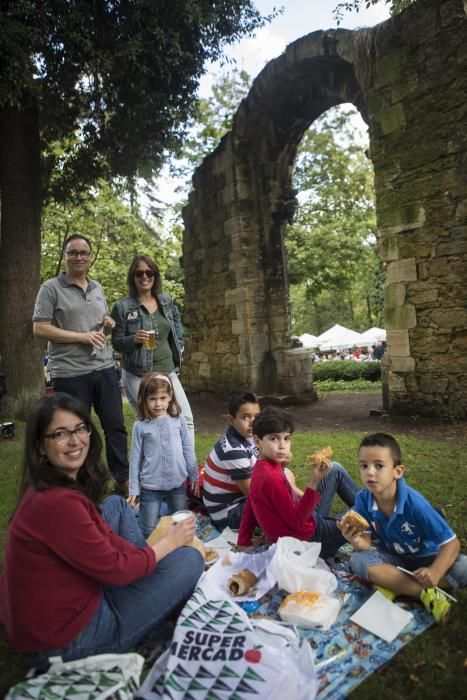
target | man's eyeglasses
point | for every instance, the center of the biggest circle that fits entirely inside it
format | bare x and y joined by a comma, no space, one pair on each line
85,254
141,273
60,437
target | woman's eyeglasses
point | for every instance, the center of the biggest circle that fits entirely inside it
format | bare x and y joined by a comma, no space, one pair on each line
78,254
60,437
141,273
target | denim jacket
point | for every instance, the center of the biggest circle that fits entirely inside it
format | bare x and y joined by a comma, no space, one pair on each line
130,315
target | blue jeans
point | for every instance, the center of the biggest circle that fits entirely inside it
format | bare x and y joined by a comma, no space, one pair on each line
150,505
361,561
128,615
100,389
340,482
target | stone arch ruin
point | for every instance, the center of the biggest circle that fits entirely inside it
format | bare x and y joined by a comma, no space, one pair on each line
408,79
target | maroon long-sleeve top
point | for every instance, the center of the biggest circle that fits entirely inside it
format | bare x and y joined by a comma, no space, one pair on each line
59,555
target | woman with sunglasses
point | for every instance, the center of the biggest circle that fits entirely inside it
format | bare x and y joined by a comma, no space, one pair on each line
148,333
79,577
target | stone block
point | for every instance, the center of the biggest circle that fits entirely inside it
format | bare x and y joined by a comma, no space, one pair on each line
400,317
396,382
402,364
394,295
239,326
198,357
388,248
398,343
433,384
450,318
391,119
427,296
391,68
399,218
461,210
401,271
438,267
460,342
423,273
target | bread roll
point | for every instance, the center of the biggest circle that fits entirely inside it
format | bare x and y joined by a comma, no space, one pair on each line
240,583
356,520
319,457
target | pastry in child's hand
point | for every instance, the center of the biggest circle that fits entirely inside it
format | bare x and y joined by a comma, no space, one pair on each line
240,583
319,457
355,520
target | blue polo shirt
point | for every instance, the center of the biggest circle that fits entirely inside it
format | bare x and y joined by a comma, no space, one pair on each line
414,528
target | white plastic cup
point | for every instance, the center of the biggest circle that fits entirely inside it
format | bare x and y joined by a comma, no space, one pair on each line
181,515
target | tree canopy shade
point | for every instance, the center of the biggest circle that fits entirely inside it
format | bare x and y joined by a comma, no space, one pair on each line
113,82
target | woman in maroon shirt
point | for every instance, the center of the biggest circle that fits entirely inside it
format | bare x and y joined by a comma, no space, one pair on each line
79,577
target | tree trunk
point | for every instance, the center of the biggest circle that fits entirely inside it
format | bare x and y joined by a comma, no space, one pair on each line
20,254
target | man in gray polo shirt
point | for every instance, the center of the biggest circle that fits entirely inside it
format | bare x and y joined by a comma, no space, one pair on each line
71,314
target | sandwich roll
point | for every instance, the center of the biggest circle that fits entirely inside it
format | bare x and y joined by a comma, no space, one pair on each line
240,583
318,458
355,520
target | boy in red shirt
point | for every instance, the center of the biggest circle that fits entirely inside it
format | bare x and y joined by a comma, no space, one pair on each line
276,507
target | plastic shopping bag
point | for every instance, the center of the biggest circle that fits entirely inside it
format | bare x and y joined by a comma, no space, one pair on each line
217,652
297,567
93,678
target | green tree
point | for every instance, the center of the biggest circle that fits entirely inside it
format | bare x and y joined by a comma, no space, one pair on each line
117,234
113,83
212,118
395,6
334,271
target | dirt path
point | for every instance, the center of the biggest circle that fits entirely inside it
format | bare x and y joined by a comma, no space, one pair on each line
340,412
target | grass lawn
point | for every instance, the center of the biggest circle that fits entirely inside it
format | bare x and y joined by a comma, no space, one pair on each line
434,665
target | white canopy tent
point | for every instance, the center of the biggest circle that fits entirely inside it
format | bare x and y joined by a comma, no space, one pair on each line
308,340
372,335
338,337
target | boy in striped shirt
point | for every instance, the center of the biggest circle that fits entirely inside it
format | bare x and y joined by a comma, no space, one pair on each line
227,471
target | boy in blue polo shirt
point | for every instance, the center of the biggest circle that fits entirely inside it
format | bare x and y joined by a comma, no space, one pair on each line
409,533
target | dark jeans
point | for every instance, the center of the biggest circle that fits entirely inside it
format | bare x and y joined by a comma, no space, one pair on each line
100,389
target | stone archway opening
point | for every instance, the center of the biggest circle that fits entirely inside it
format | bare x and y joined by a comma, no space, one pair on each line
335,273
399,76
234,259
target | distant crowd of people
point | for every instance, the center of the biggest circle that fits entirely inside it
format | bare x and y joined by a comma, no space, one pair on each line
372,352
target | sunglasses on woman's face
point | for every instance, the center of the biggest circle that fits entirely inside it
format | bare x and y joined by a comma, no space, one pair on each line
141,273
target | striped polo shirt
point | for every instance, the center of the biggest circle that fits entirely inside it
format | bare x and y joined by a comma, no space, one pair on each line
231,459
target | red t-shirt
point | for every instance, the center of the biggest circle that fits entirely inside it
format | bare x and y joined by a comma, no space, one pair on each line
59,553
274,506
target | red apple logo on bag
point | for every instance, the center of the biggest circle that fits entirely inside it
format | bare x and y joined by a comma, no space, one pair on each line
253,656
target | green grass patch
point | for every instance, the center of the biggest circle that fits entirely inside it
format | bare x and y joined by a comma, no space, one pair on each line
431,666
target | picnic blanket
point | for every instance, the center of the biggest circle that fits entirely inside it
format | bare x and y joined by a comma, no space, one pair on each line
345,654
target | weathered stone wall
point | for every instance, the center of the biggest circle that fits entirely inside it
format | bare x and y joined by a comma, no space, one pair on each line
408,78
417,102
